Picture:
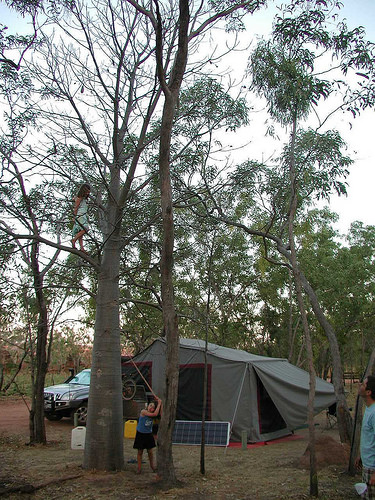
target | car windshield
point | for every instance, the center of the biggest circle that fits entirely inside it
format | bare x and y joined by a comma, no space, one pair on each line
81,378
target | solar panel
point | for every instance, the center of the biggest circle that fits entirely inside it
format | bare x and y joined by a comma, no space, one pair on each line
189,432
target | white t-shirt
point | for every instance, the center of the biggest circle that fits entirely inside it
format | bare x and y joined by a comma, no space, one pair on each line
368,438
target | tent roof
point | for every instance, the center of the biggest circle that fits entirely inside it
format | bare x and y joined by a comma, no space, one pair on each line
274,369
225,352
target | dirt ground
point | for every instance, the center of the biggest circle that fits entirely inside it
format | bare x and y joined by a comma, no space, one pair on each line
274,471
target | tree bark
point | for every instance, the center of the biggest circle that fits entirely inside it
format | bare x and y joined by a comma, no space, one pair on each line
309,350
205,379
36,417
166,470
344,419
103,449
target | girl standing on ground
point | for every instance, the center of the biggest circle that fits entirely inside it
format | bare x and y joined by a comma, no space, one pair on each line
144,438
80,216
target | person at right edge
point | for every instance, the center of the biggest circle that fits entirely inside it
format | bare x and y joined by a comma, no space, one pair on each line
367,446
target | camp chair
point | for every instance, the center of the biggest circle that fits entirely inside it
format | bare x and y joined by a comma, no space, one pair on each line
331,416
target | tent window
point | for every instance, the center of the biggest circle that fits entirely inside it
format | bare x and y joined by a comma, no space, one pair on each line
270,419
190,392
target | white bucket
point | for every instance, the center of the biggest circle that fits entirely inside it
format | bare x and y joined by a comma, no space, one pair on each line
360,488
78,438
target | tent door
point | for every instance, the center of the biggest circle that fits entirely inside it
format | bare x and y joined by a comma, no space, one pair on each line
190,392
270,419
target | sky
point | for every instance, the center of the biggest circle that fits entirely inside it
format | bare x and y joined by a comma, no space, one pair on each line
359,204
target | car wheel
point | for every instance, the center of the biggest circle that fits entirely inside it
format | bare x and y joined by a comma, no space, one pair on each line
81,413
53,417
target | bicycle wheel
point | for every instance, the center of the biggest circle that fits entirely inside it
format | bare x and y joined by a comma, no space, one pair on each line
129,388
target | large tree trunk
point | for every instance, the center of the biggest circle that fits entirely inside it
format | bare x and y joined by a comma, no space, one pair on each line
166,469
103,448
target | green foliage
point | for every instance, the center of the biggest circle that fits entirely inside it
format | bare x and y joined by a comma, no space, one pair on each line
71,346
285,69
24,7
284,78
320,164
31,7
227,277
234,20
22,386
340,274
207,105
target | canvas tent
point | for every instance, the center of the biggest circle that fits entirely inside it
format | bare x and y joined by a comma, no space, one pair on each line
266,397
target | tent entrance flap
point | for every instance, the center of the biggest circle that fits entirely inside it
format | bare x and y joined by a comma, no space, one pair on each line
190,392
270,419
